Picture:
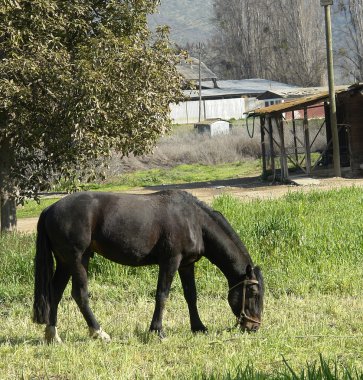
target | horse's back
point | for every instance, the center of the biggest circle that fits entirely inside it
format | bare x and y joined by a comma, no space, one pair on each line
137,224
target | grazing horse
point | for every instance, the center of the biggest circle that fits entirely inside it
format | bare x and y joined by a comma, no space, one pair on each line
172,229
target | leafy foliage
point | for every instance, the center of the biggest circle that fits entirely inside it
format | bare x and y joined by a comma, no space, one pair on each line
78,80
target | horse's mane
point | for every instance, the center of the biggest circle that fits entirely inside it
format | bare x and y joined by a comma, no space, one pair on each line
259,277
227,228
219,218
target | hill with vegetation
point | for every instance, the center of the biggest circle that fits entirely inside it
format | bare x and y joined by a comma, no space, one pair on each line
192,20
189,20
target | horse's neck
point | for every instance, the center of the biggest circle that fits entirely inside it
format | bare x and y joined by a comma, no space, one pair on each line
223,252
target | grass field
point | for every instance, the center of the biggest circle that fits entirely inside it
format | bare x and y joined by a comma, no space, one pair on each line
310,249
158,176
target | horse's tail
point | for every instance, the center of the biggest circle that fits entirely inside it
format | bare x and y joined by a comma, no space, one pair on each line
44,270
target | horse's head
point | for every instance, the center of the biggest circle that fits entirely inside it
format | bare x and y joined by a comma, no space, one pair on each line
246,299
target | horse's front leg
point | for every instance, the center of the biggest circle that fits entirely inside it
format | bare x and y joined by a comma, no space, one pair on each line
190,293
167,272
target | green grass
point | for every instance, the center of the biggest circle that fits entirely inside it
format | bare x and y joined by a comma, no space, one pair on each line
33,209
180,174
154,177
310,249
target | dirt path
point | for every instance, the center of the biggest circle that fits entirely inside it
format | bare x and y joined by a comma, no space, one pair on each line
244,189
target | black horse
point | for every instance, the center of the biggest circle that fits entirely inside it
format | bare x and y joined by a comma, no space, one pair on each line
170,228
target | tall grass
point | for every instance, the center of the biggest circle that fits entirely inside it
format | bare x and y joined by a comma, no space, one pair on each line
187,147
321,370
310,249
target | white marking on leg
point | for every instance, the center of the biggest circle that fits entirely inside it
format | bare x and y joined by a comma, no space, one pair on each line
99,334
51,335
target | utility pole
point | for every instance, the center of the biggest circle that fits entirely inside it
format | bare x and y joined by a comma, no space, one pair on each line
333,110
200,82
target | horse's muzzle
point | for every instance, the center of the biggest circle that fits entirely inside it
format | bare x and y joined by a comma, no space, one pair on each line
249,327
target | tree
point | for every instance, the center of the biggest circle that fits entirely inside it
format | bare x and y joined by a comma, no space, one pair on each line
298,50
238,42
281,40
350,54
78,79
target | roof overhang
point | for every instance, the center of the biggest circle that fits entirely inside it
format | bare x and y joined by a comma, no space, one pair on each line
292,105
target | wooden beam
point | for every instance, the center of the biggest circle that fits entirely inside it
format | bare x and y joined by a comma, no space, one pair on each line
307,142
294,133
283,160
263,146
272,153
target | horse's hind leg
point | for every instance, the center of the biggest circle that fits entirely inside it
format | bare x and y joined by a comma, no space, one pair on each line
190,293
59,283
80,295
167,272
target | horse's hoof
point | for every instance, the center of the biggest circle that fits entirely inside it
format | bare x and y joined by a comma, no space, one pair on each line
99,334
51,335
200,330
160,333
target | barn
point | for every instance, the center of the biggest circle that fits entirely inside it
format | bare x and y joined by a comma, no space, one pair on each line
293,141
225,99
217,99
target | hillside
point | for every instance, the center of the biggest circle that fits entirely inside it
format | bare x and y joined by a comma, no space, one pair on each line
190,20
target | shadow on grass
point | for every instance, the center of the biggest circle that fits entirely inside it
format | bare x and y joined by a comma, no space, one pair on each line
145,336
246,182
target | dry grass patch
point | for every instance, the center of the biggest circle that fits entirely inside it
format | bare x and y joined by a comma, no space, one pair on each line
189,147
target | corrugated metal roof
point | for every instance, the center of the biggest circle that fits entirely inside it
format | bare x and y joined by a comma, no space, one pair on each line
236,88
209,121
295,92
253,85
291,105
189,69
216,93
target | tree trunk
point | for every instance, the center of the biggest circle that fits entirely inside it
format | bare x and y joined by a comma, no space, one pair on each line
8,214
7,202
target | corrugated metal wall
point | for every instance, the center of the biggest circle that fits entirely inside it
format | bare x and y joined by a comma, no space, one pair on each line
188,112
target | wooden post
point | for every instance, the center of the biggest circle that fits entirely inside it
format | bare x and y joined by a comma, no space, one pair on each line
294,133
333,110
200,84
263,147
272,153
283,160
307,142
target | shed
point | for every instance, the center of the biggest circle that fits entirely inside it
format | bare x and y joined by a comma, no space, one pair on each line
292,142
213,127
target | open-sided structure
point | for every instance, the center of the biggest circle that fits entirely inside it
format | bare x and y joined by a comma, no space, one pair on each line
290,138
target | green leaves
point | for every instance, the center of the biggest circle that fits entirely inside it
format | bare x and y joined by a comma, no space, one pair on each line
77,80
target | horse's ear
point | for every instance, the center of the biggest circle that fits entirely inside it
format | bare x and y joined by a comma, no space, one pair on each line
249,271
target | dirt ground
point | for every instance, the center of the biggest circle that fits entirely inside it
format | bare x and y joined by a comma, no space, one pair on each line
242,188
